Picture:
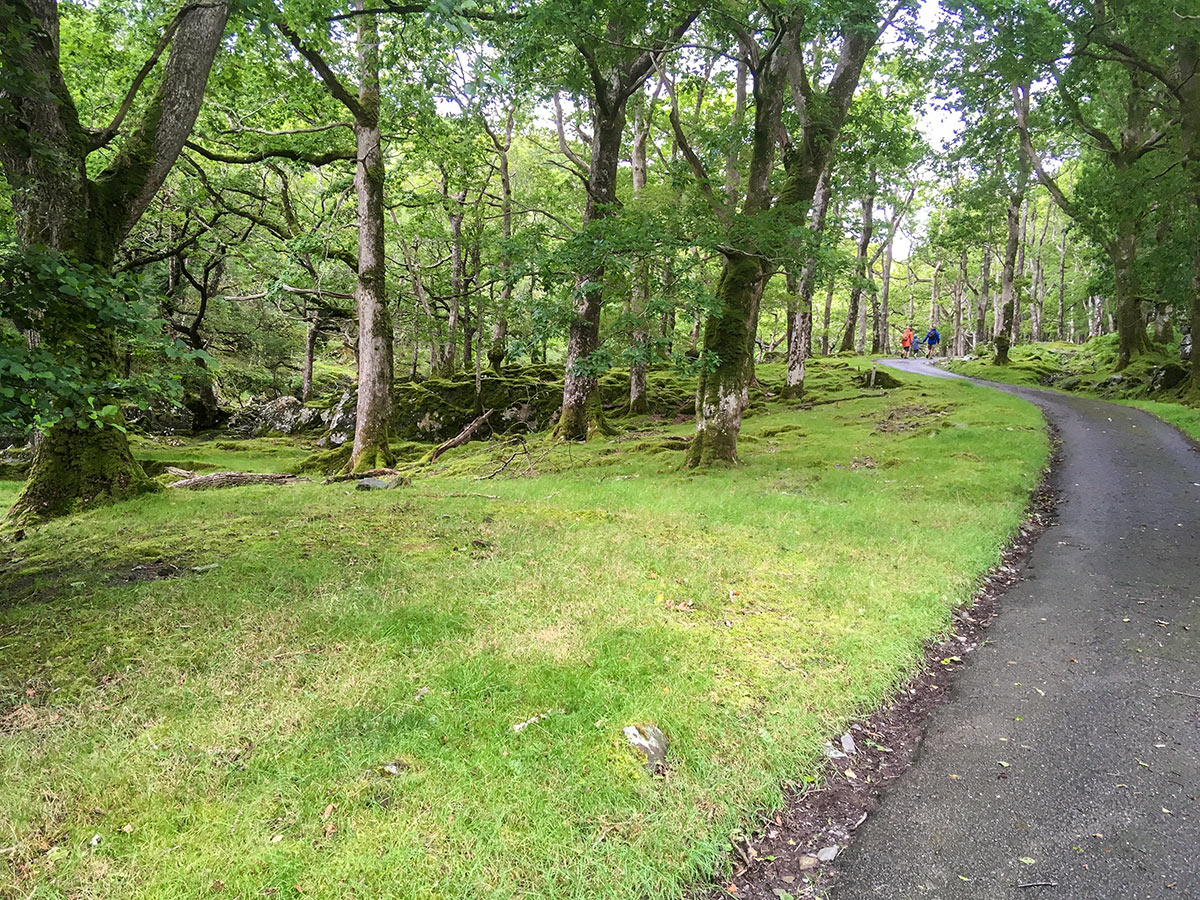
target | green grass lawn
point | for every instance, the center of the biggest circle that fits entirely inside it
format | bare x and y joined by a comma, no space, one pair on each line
1033,363
329,712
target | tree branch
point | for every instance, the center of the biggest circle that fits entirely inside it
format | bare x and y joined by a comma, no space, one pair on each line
339,90
313,159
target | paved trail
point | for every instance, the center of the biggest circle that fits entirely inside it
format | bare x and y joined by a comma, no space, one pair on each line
1088,688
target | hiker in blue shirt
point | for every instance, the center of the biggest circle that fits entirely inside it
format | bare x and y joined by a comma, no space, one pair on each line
932,339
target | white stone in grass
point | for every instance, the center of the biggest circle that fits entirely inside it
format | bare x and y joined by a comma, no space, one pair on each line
833,752
649,741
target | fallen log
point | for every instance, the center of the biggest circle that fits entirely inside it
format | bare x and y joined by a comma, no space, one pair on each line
355,476
462,438
235,479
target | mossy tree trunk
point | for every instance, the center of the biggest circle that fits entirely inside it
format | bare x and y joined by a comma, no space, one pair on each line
375,338
639,294
58,206
373,416
745,270
498,346
719,394
582,415
611,87
1131,326
985,289
1189,119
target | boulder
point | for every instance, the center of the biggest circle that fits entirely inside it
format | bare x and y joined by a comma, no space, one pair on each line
279,416
1167,377
378,484
340,420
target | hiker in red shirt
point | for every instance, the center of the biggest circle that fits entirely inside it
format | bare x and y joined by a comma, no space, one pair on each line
906,343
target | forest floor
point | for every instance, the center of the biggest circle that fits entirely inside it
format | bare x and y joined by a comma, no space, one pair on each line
1065,763
311,691
1088,369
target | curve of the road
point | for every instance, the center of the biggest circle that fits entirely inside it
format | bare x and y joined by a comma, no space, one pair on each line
1066,763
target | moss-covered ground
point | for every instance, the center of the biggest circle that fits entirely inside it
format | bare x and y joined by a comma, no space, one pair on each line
308,691
1089,369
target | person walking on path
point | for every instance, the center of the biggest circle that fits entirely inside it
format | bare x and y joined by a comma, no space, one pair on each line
932,339
906,342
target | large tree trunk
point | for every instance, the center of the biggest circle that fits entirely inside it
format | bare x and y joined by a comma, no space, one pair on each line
1131,327
719,396
498,348
1189,119
721,391
582,415
373,419
59,207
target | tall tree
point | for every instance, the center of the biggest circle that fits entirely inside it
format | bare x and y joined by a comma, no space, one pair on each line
773,55
44,151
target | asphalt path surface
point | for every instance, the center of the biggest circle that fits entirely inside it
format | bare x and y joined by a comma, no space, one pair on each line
1066,763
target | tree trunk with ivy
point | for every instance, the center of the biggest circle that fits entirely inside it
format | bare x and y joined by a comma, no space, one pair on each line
44,150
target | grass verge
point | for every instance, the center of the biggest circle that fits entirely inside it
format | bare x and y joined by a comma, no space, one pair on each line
329,711
1088,369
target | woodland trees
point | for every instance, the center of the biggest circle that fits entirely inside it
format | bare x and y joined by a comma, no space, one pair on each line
236,206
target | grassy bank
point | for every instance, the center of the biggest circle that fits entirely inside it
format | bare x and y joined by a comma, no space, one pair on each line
329,711
1088,369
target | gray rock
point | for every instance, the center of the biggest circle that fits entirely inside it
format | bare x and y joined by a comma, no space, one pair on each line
279,416
1167,377
310,419
827,854
649,741
340,420
848,745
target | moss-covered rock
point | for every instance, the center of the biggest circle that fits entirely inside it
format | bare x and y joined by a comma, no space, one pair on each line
524,398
